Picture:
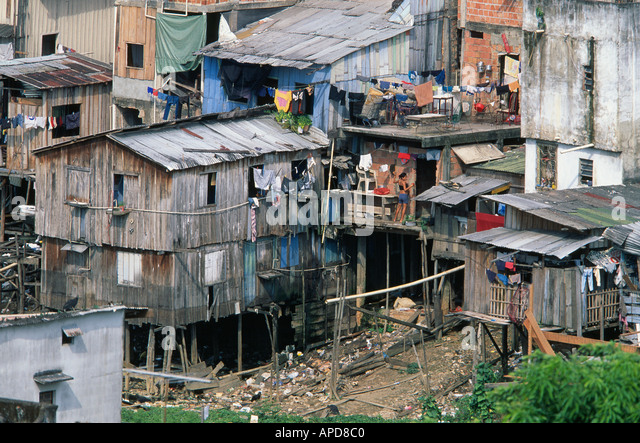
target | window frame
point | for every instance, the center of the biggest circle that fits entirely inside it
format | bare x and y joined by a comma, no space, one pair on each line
129,57
124,258
62,111
581,175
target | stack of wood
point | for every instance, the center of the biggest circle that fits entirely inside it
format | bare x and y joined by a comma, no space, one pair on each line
20,275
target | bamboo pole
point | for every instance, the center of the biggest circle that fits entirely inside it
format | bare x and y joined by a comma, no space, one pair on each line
395,288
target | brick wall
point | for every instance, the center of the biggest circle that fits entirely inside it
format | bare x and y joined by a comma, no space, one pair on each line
495,12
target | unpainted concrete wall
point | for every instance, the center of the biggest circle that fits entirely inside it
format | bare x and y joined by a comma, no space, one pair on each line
555,104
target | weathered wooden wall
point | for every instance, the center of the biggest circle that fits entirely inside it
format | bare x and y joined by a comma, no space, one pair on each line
133,26
94,101
556,297
477,289
168,226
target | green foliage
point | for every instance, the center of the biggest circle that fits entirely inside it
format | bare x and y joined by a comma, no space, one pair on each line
598,384
412,368
430,410
266,412
477,407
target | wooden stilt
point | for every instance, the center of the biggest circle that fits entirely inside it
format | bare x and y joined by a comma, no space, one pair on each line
387,294
194,345
361,274
3,210
151,345
240,342
127,354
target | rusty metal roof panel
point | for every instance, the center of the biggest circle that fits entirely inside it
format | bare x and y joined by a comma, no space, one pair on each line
557,244
311,33
56,71
465,187
189,144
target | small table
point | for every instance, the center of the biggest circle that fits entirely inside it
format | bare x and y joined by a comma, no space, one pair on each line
425,119
386,202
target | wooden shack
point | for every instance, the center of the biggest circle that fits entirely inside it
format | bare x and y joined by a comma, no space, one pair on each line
161,217
52,87
555,247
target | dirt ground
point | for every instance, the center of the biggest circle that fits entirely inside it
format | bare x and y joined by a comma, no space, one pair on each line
388,383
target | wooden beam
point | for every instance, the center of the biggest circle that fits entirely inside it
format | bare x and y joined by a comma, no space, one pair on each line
579,341
391,319
536,334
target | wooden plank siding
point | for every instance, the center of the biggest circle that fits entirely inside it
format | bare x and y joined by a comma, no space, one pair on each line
94,101
168,226
556,291
134,27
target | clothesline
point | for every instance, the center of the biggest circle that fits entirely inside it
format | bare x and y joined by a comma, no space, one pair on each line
28,122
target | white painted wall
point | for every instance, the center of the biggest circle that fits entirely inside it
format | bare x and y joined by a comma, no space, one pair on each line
94,361
607,166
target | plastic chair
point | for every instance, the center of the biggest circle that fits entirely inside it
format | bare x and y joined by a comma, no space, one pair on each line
365,179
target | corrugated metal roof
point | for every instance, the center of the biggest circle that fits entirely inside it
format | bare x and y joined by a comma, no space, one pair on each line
311,33
557,244
626,237
206,142
513,162
478,153
467,187
581,208
56,71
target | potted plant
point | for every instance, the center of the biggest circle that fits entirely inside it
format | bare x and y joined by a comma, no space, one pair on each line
303,122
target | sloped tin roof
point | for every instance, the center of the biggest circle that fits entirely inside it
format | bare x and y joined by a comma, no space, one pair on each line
56,71
469,187
206,142
312,33
557,244
581,208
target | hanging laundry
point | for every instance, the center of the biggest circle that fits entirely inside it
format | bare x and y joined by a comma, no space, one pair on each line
514,86
29,123
263,179
337,95
171,101
491,276
41,122
404,157
299,102
286,185
502,89
424,94
366,161
18,120
511,66
503,279
283,100
53,123
72,121
515,279
511,266
254,225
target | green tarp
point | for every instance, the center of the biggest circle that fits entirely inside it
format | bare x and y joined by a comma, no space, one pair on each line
177,38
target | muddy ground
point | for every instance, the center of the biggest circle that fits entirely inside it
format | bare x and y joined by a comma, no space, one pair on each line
378,381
